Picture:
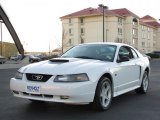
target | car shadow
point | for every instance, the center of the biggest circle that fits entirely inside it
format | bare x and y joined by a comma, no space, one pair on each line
123,106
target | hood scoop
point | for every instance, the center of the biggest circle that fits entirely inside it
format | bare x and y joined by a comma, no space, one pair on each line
59,60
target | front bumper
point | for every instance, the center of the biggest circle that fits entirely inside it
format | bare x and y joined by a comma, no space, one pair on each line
78,93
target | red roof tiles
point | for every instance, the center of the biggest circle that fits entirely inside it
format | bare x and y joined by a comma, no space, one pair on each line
154,24
150,21
124,12
98,11
90,12
148,17
115,12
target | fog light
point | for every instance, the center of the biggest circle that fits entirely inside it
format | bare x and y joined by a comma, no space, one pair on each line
64,97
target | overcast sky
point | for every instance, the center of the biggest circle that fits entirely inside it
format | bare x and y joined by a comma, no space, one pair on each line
37,22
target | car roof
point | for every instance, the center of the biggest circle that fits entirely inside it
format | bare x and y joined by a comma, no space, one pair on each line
107,43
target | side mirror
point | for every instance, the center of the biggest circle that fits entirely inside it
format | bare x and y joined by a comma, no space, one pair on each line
123,59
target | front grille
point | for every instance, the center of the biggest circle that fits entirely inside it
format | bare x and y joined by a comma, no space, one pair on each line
38,95
38,77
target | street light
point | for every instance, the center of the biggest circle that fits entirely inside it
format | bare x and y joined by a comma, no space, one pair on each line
1,38
103,7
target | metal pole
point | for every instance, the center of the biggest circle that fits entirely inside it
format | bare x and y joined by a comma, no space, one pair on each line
103,24
1,40
106,34
103,7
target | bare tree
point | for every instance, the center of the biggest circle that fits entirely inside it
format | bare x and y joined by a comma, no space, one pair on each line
64,40
62,44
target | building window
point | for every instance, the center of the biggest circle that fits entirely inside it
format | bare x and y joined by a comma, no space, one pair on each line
140,26
143,27
119,31
70,21
82,20
134,31
70,31
120,21
82,40
154,44
142,34
70,41
143,44
82,31
119,40
148,36
135,21
133,41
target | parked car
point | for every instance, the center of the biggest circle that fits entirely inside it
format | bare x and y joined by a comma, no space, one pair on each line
156,52
16,57
33,59
86,74
2,59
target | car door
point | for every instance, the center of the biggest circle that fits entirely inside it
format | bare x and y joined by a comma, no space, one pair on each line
127,72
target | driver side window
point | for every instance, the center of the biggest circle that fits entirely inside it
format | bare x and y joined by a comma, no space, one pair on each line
125,51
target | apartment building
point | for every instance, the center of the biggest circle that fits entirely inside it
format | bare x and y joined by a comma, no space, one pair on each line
120,25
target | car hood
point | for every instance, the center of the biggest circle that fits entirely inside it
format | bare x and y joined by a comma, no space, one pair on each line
60,66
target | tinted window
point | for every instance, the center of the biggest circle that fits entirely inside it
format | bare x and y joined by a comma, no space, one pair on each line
92,51
125,51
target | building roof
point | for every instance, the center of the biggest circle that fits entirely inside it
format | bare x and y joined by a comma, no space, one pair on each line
143,23
90,12
154,24
124,12
148,17
149,20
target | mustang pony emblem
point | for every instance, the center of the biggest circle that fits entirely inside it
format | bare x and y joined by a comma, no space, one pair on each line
37,77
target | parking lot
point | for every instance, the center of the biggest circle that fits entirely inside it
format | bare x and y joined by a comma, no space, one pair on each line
130,106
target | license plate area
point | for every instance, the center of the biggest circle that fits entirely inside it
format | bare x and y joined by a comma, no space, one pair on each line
33,89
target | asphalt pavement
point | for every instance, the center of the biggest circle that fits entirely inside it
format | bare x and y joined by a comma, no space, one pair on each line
130,106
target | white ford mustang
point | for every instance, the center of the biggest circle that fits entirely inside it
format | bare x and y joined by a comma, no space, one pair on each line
86,74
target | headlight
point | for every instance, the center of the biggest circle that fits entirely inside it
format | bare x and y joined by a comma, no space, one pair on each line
19,75
71,78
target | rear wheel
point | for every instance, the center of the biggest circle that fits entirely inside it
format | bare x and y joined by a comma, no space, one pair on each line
144,85
103,95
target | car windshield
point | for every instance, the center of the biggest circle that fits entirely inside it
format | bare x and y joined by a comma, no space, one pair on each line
92,51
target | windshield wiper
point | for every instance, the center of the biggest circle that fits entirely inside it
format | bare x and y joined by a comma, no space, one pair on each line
86,57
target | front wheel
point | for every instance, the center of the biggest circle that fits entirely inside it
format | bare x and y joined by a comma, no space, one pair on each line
144,85
103,95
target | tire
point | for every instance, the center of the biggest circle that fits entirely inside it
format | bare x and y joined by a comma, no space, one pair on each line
103,95
144,85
